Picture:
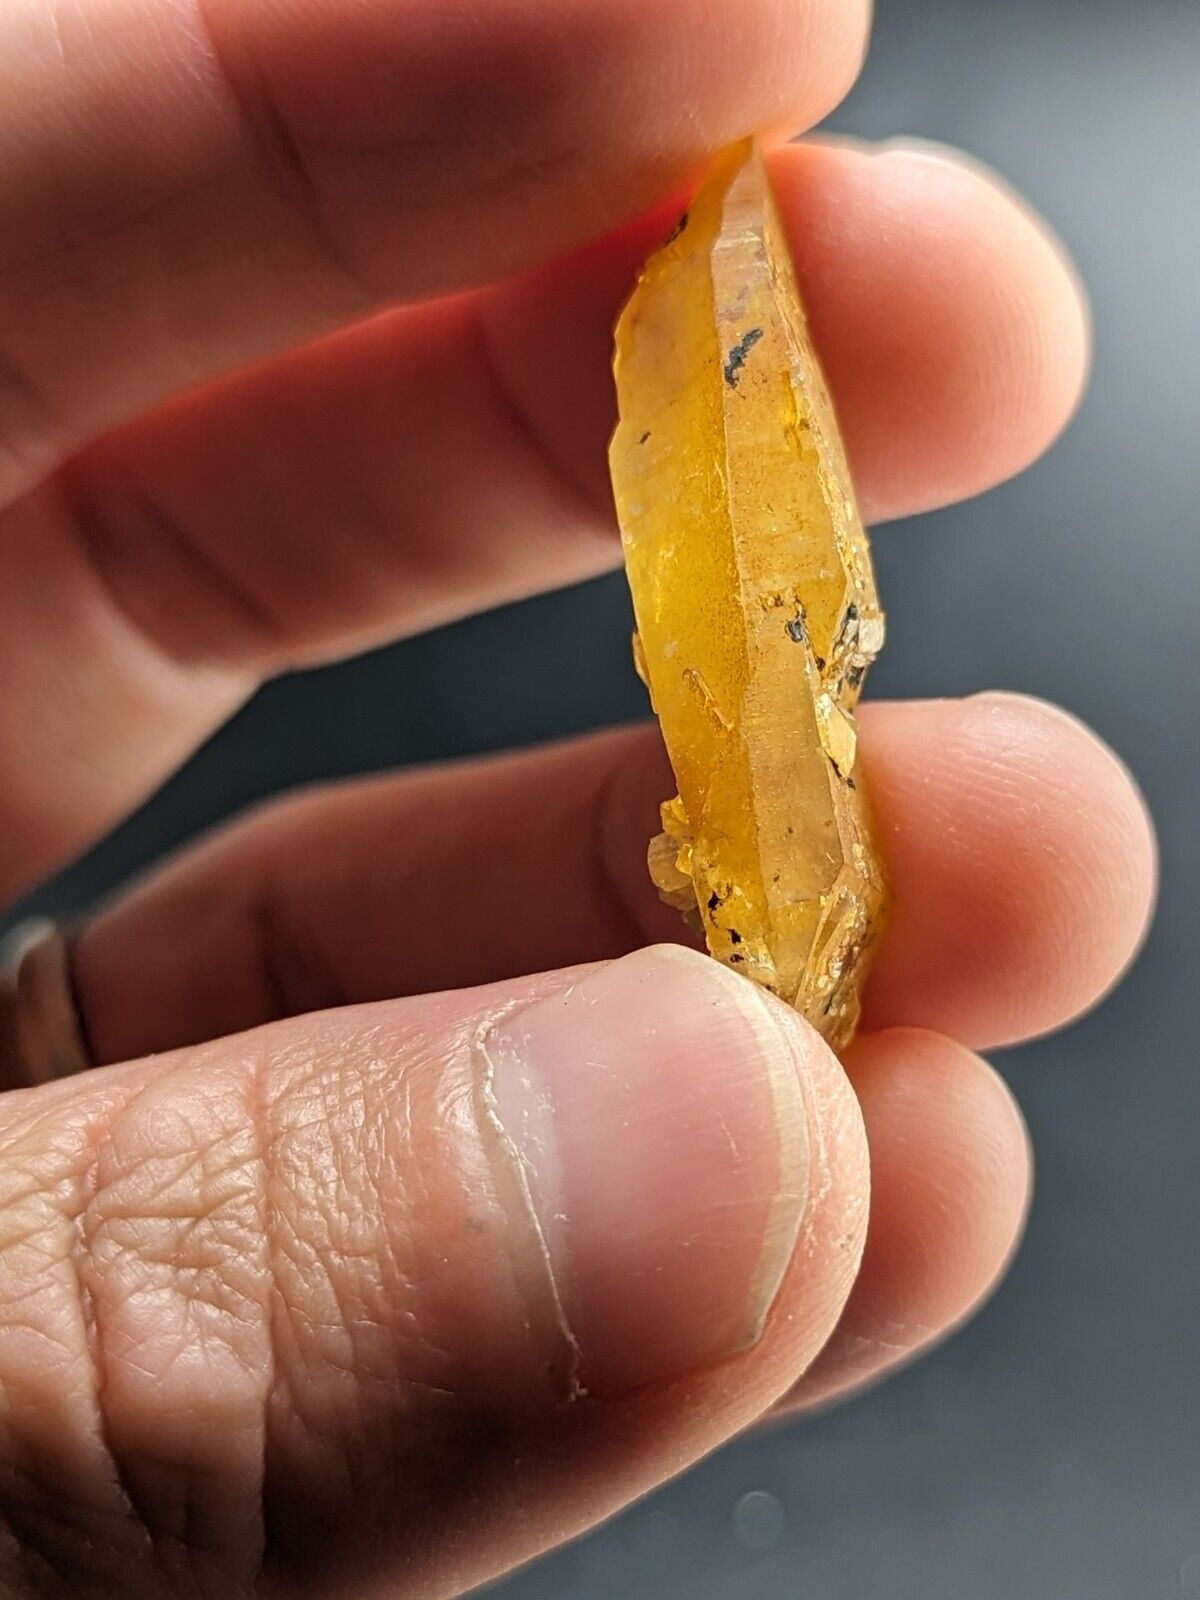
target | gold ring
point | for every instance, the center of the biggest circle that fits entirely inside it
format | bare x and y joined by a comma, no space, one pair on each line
40,1024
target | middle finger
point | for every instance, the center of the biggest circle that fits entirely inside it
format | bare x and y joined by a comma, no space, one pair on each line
452,457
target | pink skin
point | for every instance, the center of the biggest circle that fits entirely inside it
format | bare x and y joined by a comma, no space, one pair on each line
492,468
312,1305
1019,858
324,1290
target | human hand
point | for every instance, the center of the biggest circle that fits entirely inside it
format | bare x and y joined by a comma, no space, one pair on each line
280,1303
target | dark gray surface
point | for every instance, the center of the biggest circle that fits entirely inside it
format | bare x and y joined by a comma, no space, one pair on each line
1052,1451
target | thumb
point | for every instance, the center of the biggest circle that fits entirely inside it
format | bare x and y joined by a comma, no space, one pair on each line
396,1296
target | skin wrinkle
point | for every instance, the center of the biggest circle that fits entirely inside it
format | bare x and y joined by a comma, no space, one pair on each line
124,545
27,421
283,163
64,1191
258,1107
291,967
92,251
292,1326
564,483
338,1437
87,1310
151,1244
125,634
189,50
319,1324
413,153
144,554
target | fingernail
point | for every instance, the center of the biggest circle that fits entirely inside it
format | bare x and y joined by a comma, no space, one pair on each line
650,1129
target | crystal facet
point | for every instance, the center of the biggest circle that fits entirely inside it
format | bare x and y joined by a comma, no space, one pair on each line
756,609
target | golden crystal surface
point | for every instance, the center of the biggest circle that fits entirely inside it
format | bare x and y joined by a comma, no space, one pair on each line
756,609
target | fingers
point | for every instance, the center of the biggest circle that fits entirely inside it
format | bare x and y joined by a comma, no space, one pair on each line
311,161
1025,877
950,1177
452,457
474,432
949,320
977,360
404,1294
1019,858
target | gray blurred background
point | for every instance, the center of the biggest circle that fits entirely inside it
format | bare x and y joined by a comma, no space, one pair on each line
1052,1450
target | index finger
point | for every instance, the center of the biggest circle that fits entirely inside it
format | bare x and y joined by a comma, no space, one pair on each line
188,188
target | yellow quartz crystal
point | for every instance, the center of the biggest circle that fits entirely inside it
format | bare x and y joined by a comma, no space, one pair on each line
756,608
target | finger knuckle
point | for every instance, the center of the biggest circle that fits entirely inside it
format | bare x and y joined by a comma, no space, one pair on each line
134,1358
229,1320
